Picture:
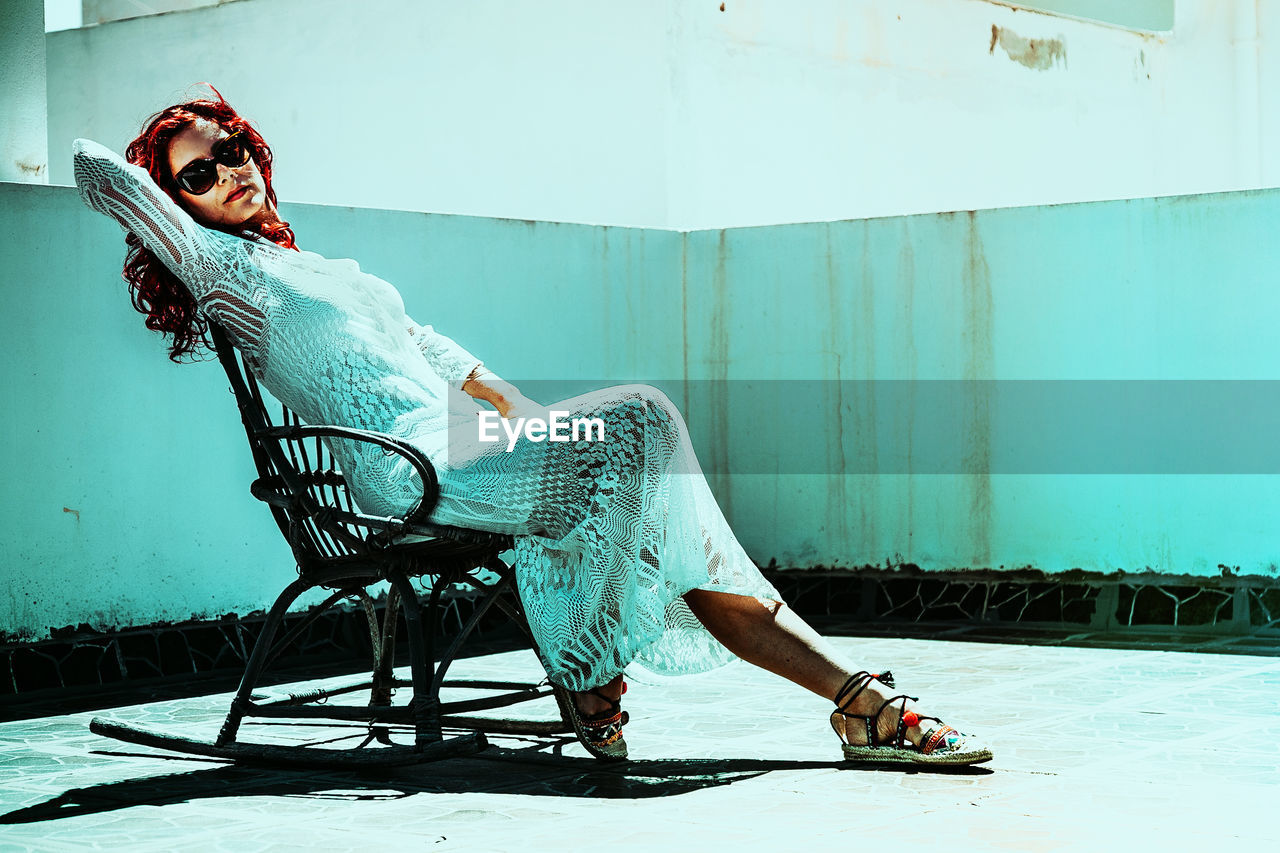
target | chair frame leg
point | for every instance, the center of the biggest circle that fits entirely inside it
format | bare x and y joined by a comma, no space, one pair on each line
384,665
380,687
424,707
258,660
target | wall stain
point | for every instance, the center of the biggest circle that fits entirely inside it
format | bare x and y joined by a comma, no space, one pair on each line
837,476
1036,54
1140,66
74,512
869,496
629,285
910,356
979,370
30,168
606,292
684,324
718,373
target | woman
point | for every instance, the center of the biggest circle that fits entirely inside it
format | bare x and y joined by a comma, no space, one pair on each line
621,552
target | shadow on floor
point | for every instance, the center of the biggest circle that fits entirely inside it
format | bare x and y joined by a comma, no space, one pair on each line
530,771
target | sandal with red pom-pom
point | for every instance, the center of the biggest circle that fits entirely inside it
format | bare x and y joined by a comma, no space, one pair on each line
940,744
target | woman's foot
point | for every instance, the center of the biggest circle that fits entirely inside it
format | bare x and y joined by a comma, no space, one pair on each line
598,718
876,724
600,699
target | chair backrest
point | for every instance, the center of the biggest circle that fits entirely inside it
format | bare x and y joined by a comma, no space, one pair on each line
297,477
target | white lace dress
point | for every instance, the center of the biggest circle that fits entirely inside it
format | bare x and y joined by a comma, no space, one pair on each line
609,533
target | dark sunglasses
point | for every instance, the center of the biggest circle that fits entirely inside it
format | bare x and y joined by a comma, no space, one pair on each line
199,176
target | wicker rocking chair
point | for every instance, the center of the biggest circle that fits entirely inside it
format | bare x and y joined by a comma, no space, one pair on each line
339,548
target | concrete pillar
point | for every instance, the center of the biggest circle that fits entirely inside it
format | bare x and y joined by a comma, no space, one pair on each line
24,134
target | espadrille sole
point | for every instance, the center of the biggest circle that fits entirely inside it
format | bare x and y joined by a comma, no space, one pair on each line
894,755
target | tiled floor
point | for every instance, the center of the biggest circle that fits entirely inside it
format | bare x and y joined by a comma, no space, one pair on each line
1096,749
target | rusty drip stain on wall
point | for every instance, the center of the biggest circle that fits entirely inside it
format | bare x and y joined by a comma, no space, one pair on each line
868,520
29,168
837,496
684,322
606,294
630,287
1036,54
74,512
979,370
718,372
910,355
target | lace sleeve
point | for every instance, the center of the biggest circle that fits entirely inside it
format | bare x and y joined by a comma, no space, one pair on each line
450,361
128,195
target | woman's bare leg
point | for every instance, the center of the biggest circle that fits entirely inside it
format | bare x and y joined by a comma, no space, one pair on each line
773,638
777,639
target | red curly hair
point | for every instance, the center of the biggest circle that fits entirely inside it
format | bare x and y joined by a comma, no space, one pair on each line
157,292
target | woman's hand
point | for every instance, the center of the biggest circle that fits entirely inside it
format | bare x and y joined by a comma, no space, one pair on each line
504,397
523,407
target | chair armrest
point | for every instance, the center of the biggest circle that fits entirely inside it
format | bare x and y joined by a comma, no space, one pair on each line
415,457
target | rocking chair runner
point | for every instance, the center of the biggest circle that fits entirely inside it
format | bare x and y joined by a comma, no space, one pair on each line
339,548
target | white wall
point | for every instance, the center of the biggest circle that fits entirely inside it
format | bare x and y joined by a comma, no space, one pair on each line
24,155
62,15
677,114
549,111
836,109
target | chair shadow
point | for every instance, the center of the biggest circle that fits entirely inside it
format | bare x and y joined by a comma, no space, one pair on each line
531,771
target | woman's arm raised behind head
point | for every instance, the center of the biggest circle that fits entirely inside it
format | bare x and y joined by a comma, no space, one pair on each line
128,195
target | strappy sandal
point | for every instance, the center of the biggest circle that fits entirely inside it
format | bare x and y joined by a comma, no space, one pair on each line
600,733
940,745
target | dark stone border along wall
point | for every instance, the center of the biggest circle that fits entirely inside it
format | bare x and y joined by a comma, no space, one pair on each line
1216,614
79,668
1228,614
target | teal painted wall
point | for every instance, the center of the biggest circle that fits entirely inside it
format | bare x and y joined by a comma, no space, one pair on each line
125,498
1152,289
127,501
